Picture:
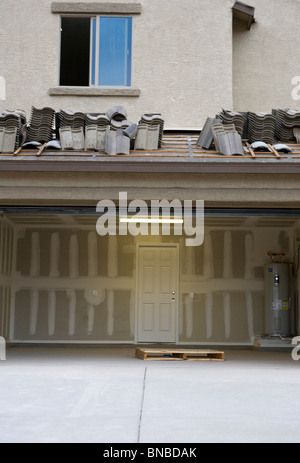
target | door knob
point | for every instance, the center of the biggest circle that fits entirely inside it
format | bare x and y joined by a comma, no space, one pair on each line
173,292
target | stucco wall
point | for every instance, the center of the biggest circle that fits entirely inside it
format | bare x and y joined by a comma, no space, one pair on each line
259,190
266,58
182,60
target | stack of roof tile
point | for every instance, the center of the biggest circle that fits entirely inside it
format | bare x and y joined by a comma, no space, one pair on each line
206,137
153,120
40,125
147,137
10,131
287,123
117,113
227,140
98,120
77,130
19,112
72,138
95,138
119,123
7,140
261,127
245,135
95,131
233,117
116,125
73,119
71,129
117,143
117,117
110,131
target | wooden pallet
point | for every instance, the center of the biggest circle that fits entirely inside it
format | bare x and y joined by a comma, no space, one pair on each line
180,354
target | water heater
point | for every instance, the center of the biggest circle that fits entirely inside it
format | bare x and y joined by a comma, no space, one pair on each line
277,299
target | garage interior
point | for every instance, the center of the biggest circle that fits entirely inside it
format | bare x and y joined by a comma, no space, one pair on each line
62,283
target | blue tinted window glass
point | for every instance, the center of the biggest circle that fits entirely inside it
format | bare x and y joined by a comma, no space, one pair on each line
93,67
115,51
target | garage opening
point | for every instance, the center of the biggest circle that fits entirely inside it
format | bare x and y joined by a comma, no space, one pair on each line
60,282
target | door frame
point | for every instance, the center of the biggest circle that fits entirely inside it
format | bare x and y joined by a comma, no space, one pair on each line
137,284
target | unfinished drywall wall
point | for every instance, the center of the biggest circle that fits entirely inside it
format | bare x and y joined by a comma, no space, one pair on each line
6,257
72,285
222,287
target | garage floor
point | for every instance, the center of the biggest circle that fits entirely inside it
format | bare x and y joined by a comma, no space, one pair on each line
107,395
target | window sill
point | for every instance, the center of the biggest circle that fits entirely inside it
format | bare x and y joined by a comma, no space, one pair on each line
88,91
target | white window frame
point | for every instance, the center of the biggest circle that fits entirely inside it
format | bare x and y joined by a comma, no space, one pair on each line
97,49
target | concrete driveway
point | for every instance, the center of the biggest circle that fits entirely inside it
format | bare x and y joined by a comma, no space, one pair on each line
101,395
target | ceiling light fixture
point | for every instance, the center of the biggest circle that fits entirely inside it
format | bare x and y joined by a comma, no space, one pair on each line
150,220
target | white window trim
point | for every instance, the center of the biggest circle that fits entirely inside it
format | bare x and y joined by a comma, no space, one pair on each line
91,50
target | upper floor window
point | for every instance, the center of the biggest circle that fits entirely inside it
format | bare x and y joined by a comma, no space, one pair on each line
96,51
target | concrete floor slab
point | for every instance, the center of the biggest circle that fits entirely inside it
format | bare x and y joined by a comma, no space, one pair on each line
106,395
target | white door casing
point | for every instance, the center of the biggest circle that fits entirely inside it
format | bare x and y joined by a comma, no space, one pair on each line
157,293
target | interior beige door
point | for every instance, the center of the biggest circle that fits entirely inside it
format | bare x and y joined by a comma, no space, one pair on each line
157,293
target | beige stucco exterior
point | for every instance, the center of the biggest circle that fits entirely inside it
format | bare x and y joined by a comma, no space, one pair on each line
266,58
222,190
188,60
182,60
